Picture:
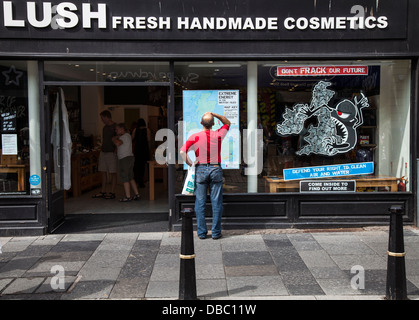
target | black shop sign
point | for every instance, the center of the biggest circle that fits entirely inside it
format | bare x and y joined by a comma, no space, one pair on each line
204,20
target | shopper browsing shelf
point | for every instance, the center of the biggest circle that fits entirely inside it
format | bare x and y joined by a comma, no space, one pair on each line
107,157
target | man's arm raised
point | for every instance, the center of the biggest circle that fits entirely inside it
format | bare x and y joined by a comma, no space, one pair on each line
223,119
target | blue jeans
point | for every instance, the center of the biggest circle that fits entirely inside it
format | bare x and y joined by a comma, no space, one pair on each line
209,176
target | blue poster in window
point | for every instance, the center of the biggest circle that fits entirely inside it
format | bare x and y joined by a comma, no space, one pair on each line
335,170
223,102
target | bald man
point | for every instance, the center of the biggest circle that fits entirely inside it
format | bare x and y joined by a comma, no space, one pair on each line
207,147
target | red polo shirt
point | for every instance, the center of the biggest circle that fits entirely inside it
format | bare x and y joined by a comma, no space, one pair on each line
206,144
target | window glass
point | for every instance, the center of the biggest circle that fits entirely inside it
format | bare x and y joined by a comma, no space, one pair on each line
335,126
98,71
218,87
19,174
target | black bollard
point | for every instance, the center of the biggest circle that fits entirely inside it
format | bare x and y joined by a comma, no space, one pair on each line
187,280
396,288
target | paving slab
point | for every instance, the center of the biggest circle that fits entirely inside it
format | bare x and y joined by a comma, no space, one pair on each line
346,262
132,288
209,257
46,268
17,267
256,286
166,268
90,289
240,246
151,236
163,289
302,290
209,271
243,258
354,247
332,272
337,286
4,283
54,285
83,237
252,270
317,258
24,285
213,288
17,244
257,264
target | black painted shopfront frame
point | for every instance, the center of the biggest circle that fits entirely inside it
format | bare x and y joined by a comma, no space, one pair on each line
26,215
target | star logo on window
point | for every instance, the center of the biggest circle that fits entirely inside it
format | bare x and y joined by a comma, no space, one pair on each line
12,76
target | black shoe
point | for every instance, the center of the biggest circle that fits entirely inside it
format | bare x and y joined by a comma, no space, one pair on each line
125,199
202,237
110,195
217,237
99,195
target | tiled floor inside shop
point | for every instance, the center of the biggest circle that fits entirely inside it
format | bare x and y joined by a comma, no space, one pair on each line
86,204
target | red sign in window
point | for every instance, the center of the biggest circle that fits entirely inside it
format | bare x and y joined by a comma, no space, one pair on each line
322,71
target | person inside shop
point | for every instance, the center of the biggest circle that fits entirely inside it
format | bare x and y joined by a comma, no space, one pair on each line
123,142
108,161
209,174
140,137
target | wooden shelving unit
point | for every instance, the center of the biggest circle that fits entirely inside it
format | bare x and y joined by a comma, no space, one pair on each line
84,172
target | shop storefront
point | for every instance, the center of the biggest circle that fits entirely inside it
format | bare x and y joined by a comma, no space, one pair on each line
322,98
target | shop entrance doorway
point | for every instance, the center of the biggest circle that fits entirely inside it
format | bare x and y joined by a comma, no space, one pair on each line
56,156
142,109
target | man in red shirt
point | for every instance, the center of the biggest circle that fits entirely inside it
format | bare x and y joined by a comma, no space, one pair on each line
207,147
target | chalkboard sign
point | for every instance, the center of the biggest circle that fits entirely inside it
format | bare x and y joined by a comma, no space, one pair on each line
8,122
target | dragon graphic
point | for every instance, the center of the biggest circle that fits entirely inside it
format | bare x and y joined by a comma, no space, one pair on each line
336,126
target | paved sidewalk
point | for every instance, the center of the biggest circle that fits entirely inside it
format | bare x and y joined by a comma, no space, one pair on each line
255,264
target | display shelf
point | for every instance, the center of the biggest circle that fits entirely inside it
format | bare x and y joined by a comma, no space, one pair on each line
84,172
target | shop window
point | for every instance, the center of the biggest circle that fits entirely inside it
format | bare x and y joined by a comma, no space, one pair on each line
218,87
335,126
20,163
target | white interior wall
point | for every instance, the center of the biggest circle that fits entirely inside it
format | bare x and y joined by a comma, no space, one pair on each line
92,104
393,115
117,112
91,98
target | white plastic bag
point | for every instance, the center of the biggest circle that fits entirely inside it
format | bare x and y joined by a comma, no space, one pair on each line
189,186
